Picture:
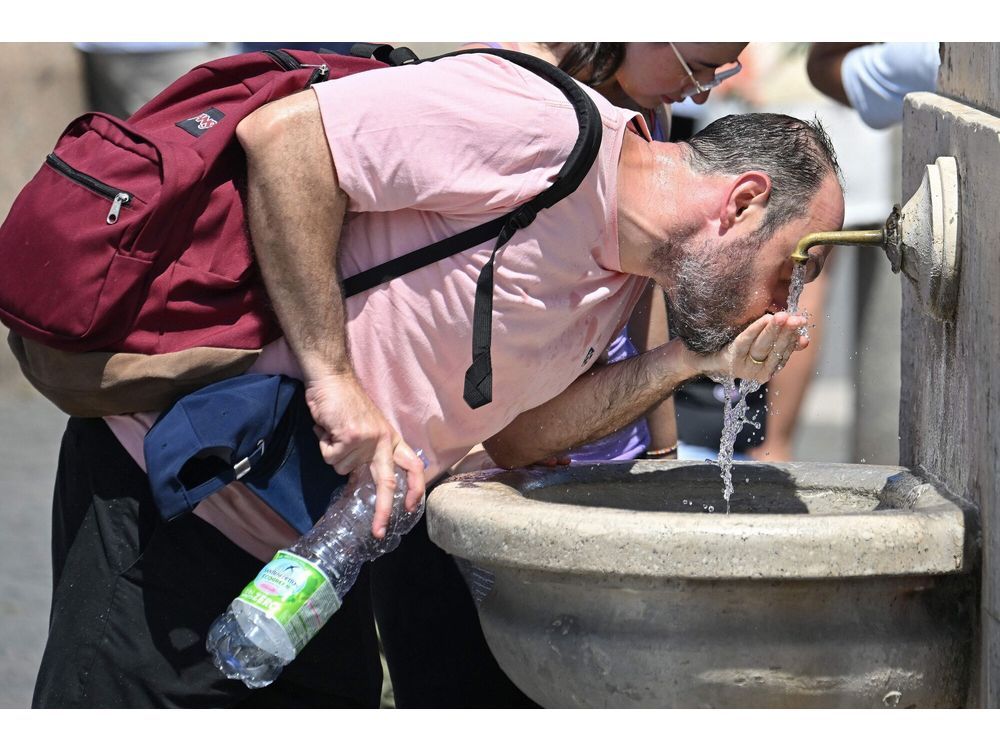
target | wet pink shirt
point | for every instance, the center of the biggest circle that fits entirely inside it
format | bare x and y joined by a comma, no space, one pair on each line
424,152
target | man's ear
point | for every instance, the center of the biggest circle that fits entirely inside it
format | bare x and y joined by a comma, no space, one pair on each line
747,198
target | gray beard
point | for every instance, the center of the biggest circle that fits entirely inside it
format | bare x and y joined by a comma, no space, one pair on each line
710,289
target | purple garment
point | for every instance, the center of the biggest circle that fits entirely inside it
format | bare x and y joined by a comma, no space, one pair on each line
629,442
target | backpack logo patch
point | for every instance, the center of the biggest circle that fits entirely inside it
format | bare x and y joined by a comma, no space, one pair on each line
199,124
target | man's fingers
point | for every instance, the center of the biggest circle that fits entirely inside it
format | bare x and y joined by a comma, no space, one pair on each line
383,470
413,465
778,339
764,344
741,345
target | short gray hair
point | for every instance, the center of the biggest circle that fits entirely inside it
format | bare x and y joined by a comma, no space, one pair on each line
797,156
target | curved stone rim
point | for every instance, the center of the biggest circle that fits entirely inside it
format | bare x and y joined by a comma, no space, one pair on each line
487,518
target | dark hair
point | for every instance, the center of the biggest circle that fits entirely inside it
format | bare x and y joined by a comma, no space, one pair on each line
593,63
796,155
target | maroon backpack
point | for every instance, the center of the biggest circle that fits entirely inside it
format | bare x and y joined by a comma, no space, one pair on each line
131,237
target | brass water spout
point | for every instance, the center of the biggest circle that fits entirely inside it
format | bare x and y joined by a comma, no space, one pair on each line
920,239
875,237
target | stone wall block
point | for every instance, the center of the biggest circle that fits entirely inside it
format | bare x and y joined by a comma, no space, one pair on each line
949,410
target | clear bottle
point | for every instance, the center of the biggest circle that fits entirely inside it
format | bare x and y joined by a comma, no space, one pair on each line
295,594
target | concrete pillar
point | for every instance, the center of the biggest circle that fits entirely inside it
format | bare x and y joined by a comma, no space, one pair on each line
950,395
41,87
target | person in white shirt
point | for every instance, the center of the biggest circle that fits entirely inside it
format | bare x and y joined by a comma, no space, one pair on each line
873,79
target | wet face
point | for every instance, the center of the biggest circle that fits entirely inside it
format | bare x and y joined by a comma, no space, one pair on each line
716,287
774,266
652,75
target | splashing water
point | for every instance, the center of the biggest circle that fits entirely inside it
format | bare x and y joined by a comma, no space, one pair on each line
734,416
734,413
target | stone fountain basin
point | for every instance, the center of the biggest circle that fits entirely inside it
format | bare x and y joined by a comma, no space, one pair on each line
612,585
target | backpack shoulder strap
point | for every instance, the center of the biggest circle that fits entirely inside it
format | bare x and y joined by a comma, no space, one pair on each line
478,389
581,158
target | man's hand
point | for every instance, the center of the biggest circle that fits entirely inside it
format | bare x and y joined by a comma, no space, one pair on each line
761,349
353,433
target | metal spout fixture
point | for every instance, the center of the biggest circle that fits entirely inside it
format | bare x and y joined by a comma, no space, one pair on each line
920,239
875,237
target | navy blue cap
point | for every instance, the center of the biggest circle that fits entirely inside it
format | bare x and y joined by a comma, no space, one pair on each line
253,428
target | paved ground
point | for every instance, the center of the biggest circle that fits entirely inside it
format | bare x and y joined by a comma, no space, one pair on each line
30,429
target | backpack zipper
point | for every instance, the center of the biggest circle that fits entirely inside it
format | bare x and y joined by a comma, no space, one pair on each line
287,62
283,59
320,74
117,197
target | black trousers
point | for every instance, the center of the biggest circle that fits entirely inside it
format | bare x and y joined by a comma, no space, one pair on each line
134,597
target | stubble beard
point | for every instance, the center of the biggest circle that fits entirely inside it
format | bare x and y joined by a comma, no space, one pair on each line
710,289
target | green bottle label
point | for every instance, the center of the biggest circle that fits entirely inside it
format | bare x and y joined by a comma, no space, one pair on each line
296,594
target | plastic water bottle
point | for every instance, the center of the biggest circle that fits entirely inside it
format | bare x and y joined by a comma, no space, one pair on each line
295,594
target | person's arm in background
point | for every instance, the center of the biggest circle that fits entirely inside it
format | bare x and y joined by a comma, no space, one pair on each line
295,211
648,329
786,391
873,79
823,67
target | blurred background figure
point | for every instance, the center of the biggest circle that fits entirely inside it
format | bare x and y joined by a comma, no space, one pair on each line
122,76
873,79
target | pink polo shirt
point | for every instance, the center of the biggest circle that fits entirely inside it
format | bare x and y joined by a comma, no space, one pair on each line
424,152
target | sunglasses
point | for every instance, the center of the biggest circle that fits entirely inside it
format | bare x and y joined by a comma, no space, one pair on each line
700,88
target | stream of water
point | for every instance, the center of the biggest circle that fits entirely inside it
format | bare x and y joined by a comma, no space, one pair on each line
734,412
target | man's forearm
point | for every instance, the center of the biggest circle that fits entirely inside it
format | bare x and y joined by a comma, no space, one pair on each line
596,404
295,212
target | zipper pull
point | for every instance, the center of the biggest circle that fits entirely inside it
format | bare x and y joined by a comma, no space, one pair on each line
116,206
320,73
